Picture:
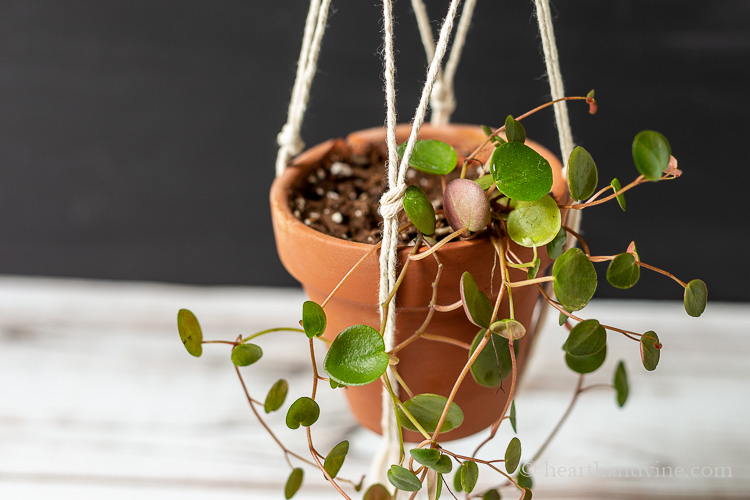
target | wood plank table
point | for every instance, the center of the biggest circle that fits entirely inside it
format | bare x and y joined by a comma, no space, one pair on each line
98,400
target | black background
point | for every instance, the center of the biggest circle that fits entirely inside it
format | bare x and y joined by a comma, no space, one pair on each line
137,138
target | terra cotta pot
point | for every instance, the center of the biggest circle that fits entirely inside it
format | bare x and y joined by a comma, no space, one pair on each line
319,261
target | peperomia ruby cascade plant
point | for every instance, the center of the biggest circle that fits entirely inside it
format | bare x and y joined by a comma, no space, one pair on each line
507,201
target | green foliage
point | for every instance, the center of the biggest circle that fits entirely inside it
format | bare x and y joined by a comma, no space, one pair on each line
419,209
491,495
469,475
650,350
526,494
190,332
523,479
476,304
556,246
457,479
512,417
431,157
293,483
620,197
623,271
485,182
276,396
651,153
520,172
377,492
304,412
425,456
495,139
514,131
246,354
335,458
621,384
509,329
582,174
313,319
534,270
574,279
426,409
513,455
535,223
696,295
586,364
403,479
443,465
357,356
493,362
586,338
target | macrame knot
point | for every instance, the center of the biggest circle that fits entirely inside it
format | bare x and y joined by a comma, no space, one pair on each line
390,202
290,140
442,101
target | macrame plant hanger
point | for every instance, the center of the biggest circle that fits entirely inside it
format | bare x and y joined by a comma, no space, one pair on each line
439,94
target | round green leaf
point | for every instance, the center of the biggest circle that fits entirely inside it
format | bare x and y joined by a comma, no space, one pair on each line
357,356
190,332
508,328
582,174
520,172
469,476
651,154
556,246
457,479
526,494
514,131
535,223
427,408
513,416
491,495
513,455
419,209
293,483
586,338
485,182
493,362
276,396
696,295
523,479
586,364
621,384
623,271
403,479
574,279
246,354
313,319
477,305
620,197
431,157
650,350
335,458
304,412
377,492
425,456
443,465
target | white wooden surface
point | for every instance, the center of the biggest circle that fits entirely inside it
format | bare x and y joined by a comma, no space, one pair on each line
99,400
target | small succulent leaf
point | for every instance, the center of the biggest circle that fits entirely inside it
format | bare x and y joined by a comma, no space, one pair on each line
276,396
632,249
696,295
623,272
520,172
426,409
190,332
651,152
246,354
419,209
562,318
620,197
334,384
313,319
444,465
357,356
304,412
403,479
513,455
514,131
534,270
650,350
335,458
377,492
557,245
574,279
582,174
457,479
491,495
527,495
426,456
466,205
469,475
493,362
586,338
477,305
523,479
513,416
293,482
508,328
434,485
586,364
431,157
535,223
621,384
485,182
